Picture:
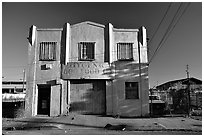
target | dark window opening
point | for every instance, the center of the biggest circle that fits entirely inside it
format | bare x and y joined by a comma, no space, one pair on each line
19,90
48,51
6,91
125,51
86,51
131,90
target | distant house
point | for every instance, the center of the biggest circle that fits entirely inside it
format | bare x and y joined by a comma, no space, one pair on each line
165,91
13,98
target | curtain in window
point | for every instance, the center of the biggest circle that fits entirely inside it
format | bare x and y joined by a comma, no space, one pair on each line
47,50
125,51
86,50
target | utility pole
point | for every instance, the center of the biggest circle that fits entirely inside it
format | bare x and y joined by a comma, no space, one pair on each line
140,76
151,105
151,102
188,89
23,84
23,78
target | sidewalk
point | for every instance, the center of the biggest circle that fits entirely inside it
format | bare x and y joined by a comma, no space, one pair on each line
90,121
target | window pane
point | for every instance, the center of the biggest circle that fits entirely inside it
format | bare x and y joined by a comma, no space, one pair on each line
125,51
50,53
134,84
47,50
87,50
131,90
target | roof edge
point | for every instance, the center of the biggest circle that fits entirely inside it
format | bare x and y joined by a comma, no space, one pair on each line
177,80
49,29
90,23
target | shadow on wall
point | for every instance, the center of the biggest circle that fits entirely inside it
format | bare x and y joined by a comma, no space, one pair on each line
127,71
123,69
91,100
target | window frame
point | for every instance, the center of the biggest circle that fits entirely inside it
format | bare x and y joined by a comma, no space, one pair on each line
127,50
83,51
130,91
45,52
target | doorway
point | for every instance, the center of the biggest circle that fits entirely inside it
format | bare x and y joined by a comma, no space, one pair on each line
44,100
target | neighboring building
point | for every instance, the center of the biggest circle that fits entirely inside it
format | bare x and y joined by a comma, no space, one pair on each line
87,68
13,98
157,106
164,91
162,95
13,86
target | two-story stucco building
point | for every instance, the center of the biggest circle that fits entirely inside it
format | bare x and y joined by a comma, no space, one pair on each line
87,68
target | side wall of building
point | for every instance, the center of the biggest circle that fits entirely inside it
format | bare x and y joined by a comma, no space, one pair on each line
30,74
43,72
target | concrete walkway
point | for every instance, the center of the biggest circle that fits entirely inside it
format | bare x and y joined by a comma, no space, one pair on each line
90,121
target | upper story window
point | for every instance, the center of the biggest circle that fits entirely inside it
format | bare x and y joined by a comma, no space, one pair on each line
86,51
48,51
125,51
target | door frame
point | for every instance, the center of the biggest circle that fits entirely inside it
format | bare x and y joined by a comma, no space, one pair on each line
41,86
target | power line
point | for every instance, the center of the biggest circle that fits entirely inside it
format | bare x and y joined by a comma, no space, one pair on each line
176,23
160,23
169,30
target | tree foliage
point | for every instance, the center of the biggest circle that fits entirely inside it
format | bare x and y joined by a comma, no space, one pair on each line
179,100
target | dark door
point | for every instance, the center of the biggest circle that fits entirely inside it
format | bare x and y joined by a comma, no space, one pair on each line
88,97
44,100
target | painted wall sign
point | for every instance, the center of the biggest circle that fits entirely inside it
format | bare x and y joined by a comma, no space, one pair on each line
85,70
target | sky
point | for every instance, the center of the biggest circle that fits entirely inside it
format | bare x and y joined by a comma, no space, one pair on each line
182,47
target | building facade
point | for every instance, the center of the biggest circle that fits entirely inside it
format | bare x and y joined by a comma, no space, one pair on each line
87,68
13,86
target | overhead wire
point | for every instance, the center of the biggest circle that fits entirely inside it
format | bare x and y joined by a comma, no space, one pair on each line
169,30
176,23
160,23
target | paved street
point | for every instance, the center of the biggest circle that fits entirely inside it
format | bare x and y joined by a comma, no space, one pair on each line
87,124
97,132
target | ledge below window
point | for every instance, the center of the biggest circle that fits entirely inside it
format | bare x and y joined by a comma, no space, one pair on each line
47,60
125,59
86,59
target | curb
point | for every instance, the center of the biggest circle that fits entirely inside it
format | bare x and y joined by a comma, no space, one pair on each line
14,127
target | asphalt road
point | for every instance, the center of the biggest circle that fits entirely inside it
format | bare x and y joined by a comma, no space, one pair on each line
95,126
93,131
